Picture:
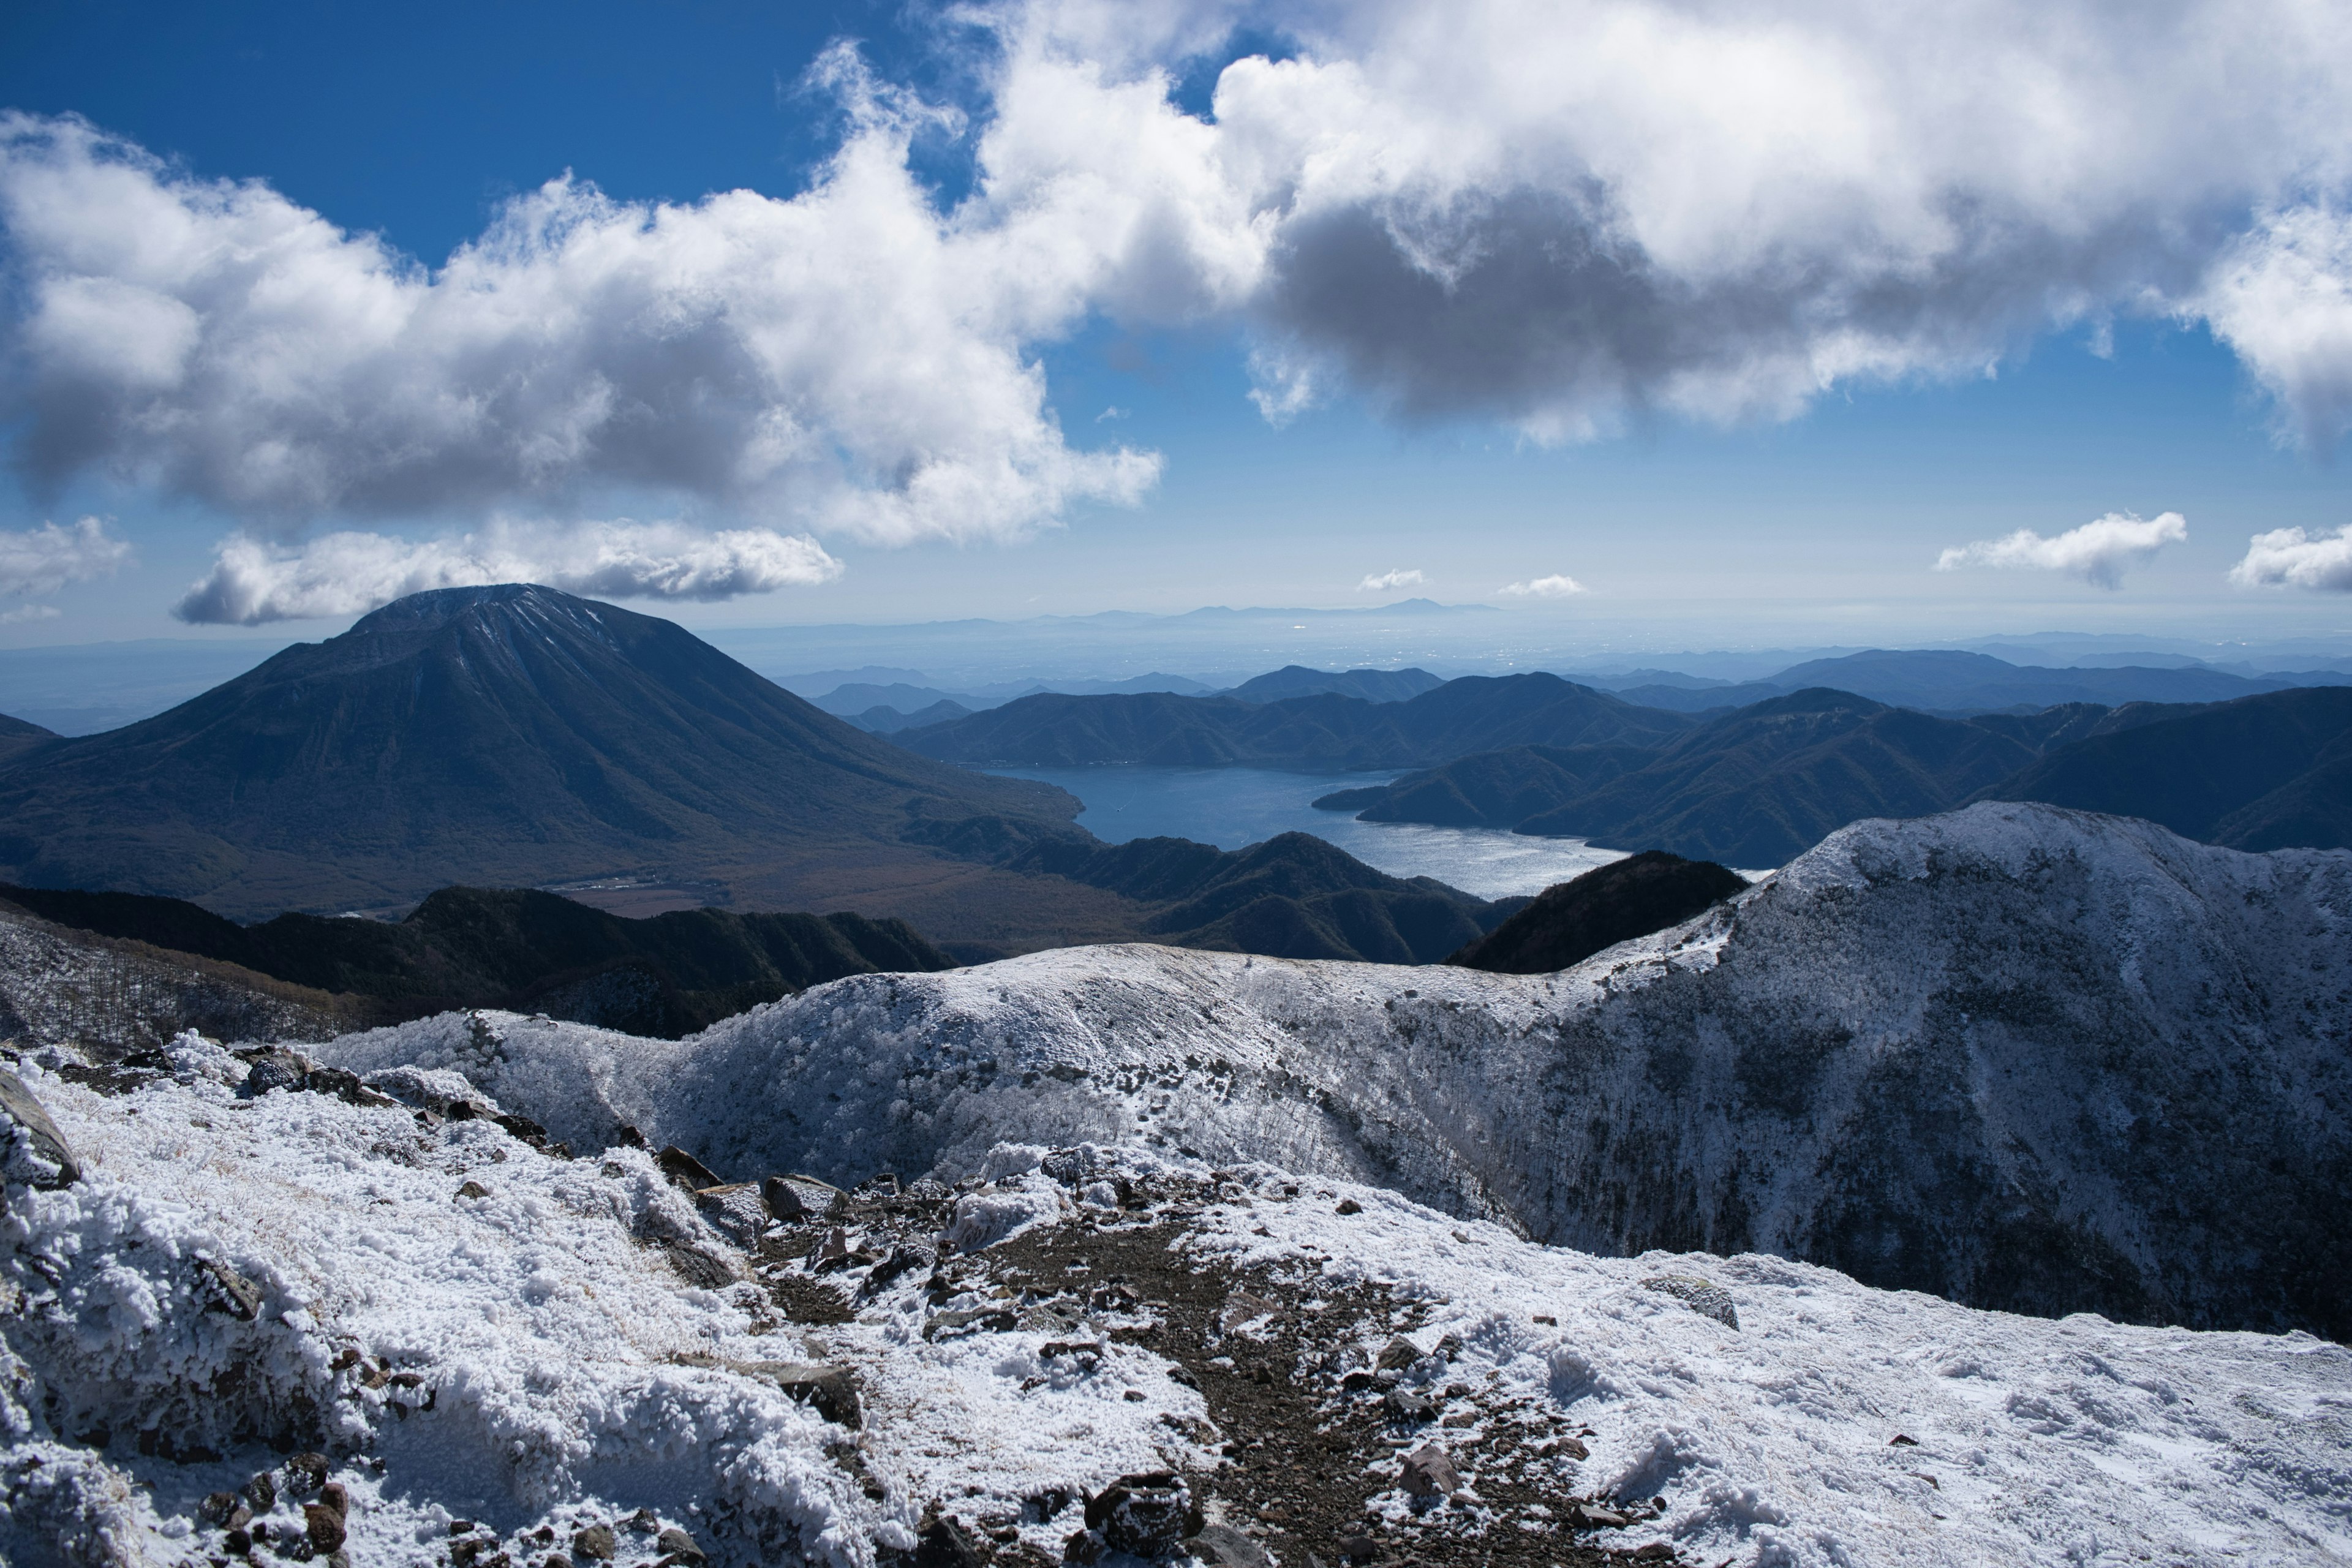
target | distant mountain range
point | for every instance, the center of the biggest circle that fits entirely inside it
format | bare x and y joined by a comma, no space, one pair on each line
1762,783
1328,732
520,737
883,709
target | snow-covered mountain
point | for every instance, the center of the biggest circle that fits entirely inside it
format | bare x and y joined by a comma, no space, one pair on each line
2014,1056
314,1324
1253,1264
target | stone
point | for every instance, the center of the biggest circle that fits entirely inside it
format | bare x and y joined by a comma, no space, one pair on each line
1084,1547
333,1495
1358,1549
735,1210
1656,1551
598,1544
1702,1295
1148,1514
323,1525
1901,1440
946,1543
1221,1546
1587,1516
1397,1354
36,1154
1406,1405
685,1170
262,1492
676,1542
344,1085
227,1291
306,1473
473,1189
699,1266
276,1068
1349,1206
217,1507
1429,1472
238,1541
830,1391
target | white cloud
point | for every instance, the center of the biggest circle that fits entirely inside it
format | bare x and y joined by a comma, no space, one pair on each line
2099,552
29,613
2282,297
851,359
1558,586
340,575
1555,214
1399,577
2289,557
45,559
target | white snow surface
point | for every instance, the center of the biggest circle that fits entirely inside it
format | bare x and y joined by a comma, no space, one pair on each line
546,1338
1961,1053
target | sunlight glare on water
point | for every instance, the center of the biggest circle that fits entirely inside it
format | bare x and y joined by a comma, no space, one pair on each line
1231,808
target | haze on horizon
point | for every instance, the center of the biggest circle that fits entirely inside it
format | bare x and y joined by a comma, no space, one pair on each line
1649,325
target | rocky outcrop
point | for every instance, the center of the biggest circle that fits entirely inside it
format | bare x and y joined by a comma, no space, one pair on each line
2015,1056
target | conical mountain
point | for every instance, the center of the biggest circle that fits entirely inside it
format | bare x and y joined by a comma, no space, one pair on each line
508,735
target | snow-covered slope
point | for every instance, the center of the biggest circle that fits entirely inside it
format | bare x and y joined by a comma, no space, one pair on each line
492,1349
2015,1056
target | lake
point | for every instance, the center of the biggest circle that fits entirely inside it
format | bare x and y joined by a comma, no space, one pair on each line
1230,808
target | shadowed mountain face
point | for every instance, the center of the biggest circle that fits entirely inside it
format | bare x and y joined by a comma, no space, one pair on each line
1752,787
1320,732
532,951
1617,903
1293,896
18,737
508,734
2263,773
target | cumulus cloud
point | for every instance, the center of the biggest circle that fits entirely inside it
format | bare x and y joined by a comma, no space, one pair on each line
2099,552
1398,577
45,559
850,359
1560,214
1563,212
255,580
1558,586
2289,557
29,613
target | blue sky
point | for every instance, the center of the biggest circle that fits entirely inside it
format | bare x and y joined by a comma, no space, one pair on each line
1694,498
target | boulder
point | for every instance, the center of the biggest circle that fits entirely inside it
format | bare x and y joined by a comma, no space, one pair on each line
1148,1514
685,1170
1429,1473
598,1544
830,1391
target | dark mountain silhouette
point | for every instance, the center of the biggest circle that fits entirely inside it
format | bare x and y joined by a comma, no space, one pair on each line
1293,896
2263,773
532,951
1371,685
518,735
1753,787
1494,789
16,737
1321,733
1570,921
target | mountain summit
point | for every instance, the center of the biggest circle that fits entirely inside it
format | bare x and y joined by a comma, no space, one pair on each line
507,735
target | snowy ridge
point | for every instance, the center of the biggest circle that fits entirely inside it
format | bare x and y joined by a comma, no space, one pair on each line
2016,1056
549,1371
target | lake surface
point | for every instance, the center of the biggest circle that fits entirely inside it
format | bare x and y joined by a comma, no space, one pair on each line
1230,808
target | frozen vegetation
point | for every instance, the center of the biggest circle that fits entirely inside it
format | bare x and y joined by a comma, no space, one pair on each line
1407,1264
